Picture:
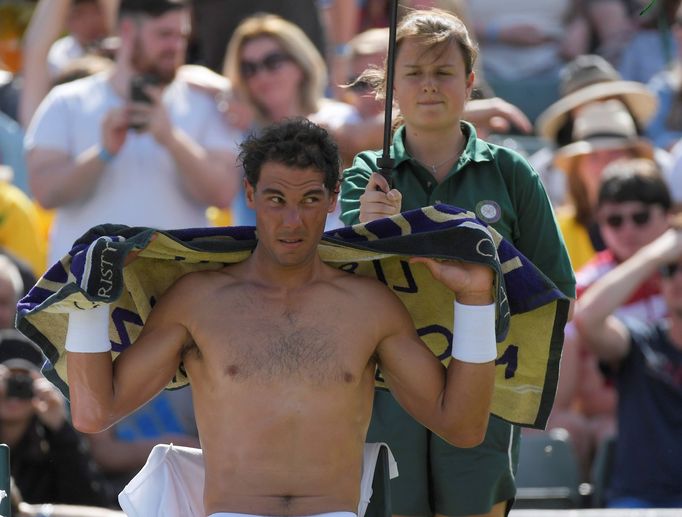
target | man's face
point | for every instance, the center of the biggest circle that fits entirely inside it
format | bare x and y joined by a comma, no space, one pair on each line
86,22
159,44
361,95
628,226
291,207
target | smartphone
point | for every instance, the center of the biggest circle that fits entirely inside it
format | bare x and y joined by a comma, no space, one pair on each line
138,94
20,386
137,86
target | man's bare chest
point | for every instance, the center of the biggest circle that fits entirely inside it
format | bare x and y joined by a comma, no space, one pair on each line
299,343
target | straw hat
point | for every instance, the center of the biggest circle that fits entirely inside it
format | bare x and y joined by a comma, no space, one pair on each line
590,78
600,126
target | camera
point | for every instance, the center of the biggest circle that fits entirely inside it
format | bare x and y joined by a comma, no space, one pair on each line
20,386
138,94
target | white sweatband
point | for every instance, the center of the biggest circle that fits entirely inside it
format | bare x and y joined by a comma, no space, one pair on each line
473,333
88,331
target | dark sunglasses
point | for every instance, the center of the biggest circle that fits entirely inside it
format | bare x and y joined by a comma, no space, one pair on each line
669,270
638,218
270,62
360,87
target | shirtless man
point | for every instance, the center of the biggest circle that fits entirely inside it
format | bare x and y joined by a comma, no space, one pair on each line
282,383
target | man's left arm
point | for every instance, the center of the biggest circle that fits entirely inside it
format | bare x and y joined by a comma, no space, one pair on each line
608,337
453,404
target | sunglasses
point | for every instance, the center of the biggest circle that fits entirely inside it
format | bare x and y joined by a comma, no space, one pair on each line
639,219
669,270
269,63
360,87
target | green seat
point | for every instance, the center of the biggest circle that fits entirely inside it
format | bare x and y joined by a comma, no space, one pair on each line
548,475
600,474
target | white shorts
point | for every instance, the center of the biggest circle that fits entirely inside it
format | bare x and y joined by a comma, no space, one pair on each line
330,514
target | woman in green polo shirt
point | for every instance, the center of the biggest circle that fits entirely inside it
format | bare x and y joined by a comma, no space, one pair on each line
439,159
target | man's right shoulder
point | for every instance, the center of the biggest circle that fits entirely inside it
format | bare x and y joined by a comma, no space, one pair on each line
205,279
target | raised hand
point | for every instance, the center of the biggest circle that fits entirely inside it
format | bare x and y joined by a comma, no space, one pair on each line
471,283
48,403
114,129
668,247
152,115
379,200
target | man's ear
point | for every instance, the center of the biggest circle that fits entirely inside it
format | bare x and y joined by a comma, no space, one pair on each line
334,197
250,191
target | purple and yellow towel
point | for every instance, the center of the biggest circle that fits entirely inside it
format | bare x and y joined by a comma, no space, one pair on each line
531,311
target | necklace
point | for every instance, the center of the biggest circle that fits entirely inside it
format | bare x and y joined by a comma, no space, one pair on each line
435,166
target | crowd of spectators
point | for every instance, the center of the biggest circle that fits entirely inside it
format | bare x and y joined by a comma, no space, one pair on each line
131,112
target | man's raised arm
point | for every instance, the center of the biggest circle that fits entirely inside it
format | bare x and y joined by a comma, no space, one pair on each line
103,392
607,335
453,404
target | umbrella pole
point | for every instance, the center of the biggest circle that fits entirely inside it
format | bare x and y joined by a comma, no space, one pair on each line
385,162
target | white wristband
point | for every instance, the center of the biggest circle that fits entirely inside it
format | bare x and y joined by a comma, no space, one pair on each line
88,331
473,333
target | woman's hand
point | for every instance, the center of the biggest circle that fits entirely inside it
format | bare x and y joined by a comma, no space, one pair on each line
379,200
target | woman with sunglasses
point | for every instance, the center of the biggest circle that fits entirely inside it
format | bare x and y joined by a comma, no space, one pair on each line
439,158
645,361
632,209
603,131
276,73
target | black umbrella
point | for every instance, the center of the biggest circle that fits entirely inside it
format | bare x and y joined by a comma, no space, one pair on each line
386,163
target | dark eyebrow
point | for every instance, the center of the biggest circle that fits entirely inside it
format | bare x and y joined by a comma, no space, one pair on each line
269,190
443,65
314,192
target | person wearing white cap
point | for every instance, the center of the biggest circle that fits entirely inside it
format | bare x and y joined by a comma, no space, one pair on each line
603,132
588,78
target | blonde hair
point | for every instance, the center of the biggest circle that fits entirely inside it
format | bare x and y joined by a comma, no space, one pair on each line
433,29
293,42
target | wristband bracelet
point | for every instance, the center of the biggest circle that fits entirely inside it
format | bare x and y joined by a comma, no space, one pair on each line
104,155
342,50
473,333
88,331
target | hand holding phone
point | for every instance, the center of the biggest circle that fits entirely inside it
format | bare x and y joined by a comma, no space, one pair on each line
138,94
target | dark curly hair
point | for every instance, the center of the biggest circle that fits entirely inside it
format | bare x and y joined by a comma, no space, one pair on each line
295,142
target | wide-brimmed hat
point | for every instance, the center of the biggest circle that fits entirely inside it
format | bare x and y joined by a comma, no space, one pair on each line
590,78
600,126
19,352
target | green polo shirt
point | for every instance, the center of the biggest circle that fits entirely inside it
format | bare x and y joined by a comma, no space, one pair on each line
496,183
